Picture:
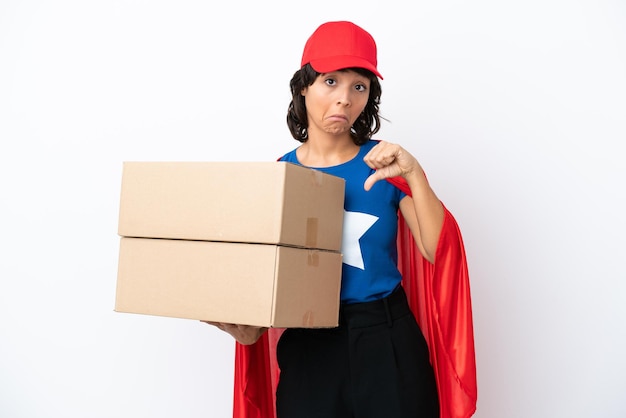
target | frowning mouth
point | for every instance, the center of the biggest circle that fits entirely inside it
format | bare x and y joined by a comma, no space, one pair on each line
338,117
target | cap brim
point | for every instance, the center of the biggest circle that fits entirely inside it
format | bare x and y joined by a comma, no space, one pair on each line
327,65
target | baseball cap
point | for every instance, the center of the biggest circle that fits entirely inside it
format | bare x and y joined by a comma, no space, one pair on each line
338,45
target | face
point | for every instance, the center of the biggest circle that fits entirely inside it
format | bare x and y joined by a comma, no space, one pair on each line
335,101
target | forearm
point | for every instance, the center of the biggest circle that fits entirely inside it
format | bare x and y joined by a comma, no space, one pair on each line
429,213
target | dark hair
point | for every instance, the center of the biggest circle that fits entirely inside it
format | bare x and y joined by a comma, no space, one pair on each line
364,127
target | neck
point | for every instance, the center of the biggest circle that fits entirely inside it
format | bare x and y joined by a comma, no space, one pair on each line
327,151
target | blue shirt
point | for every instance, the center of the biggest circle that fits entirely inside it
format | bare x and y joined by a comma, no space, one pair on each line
369,244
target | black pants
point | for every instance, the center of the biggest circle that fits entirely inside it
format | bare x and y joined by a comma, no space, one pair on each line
374,365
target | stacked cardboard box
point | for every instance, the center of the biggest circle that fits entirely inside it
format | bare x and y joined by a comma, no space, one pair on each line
255,243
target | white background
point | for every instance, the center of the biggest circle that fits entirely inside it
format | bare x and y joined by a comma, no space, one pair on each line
516,110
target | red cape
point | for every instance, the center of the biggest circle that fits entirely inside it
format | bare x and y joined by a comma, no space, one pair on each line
439,296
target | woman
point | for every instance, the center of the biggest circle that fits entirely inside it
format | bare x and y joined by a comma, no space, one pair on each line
376,363
377,356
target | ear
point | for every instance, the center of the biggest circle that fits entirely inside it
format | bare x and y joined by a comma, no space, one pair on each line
303,91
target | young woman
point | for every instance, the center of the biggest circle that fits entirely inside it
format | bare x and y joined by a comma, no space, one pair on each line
376,363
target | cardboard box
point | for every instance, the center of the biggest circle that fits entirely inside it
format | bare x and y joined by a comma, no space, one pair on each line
254,284
257,202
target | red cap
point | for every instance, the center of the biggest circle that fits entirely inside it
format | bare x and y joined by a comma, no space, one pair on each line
338,45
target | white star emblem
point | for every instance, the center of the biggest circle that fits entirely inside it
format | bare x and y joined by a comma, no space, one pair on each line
355,224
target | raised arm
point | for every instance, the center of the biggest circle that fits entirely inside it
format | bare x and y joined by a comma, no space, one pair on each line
422,211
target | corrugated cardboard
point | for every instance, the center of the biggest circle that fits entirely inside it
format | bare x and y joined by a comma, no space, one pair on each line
258,202
253,284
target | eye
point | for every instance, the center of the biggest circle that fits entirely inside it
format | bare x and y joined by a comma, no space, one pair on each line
330,81
361,87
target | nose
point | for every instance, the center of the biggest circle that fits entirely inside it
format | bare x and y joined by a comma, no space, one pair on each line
344,101
343,97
